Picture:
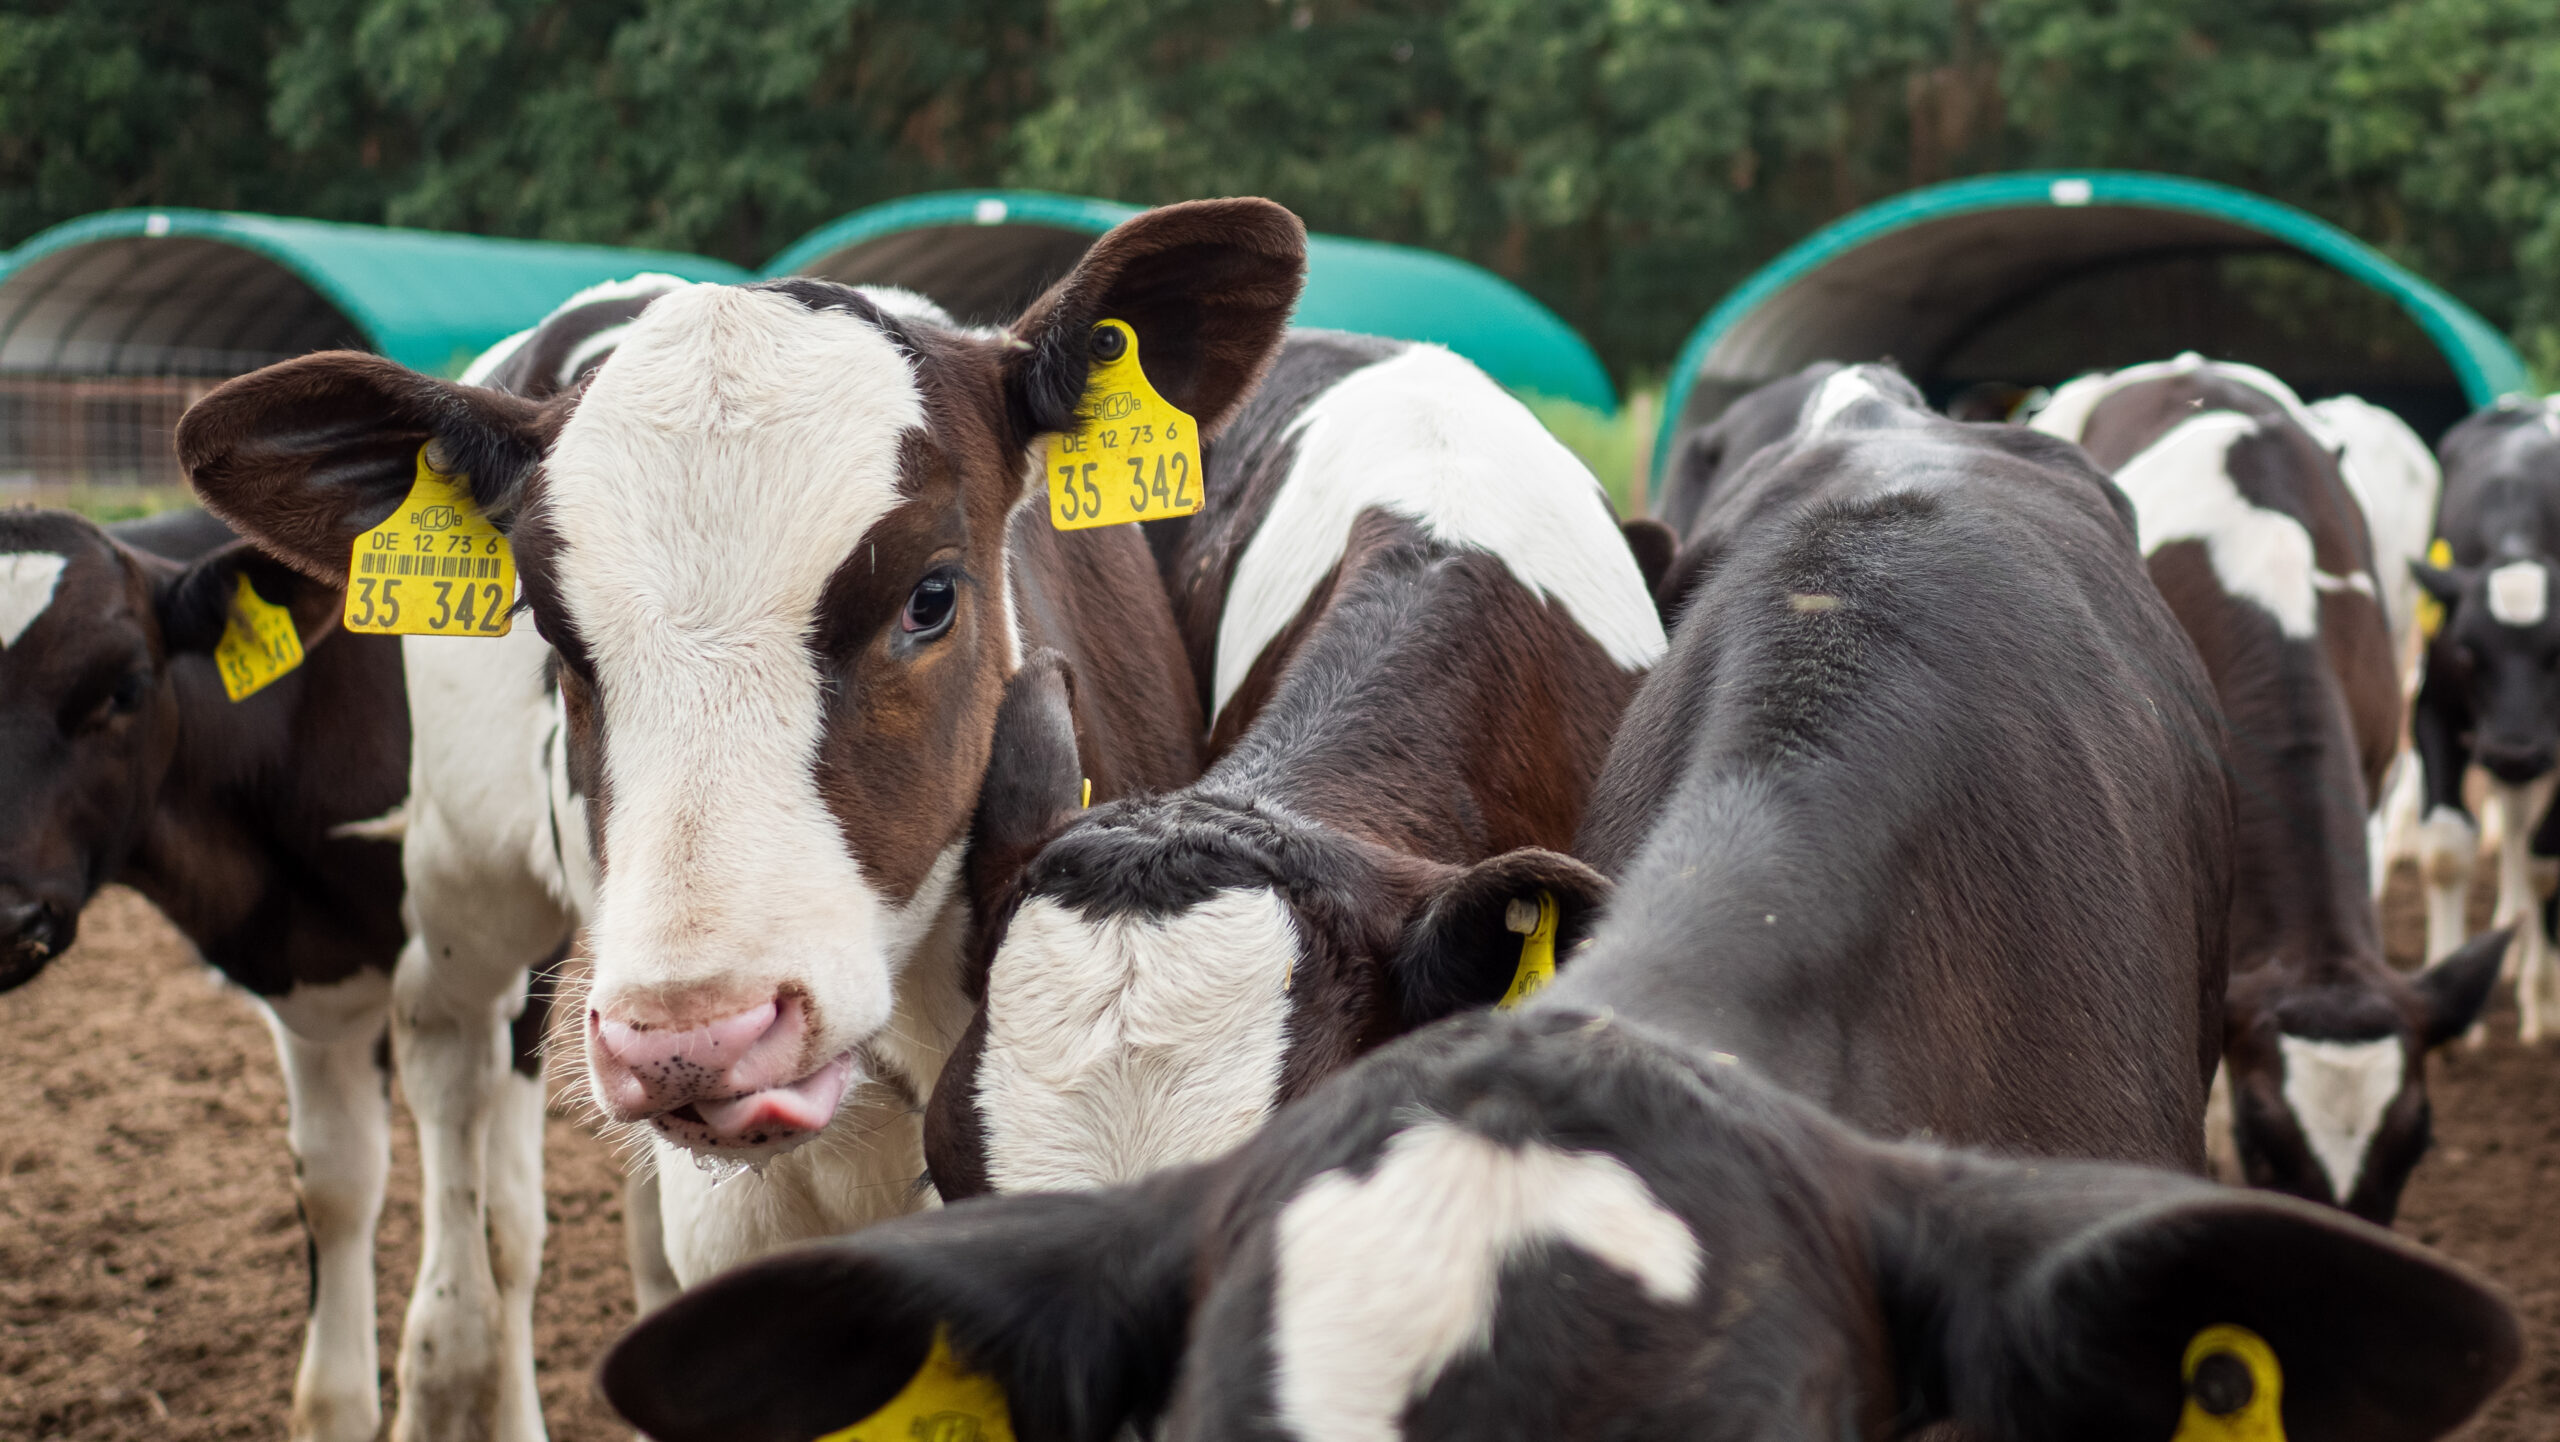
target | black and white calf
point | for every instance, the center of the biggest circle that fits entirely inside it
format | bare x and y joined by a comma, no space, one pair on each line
122,760
1417,622
778,545
2258,544
1876,834
2491,694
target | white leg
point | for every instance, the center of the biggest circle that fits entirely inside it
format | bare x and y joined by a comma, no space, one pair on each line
2516,809
2221,1153
515,1246
644,1242
453,1059
2392,833
2448,848
328,1039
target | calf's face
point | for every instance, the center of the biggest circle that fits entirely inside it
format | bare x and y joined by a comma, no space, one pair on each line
90,709
1545,1225
2500,646
1172,968
769,540
2328,1083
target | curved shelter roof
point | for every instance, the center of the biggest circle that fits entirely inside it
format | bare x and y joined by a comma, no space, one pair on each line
984,254
214,293
2034,277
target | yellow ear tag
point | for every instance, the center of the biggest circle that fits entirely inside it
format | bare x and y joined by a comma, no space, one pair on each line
2431,610
1132,456
1538,953
258,645
435,568
941,1403
2235,1390
1087,802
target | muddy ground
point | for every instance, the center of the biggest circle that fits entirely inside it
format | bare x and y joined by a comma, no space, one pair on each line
152,1278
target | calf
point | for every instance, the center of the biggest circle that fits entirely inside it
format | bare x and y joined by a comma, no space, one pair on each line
778,545
2491,687
245,823
1941,872
1419,623
2258,544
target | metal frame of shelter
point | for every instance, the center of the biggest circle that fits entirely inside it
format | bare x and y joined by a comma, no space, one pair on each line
985,253
1841,265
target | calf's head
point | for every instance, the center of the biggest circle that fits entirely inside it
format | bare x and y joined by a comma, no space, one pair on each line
92,633
1169,969
1543,1225
2500,644
2328,1082
768,539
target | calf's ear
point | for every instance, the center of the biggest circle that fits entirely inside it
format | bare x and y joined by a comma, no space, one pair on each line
194,600
309,454
1071,1306
1034,781
1653,544
1467,945
1207,285
2456,990
2119,1305
2443,583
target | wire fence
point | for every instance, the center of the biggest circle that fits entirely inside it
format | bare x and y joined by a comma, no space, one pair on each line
93,431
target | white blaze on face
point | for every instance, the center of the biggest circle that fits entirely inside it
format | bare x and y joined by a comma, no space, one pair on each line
1385,1280
1427,436
1121,1044
2519,594
2181,489
721,465
2338,1091
27,579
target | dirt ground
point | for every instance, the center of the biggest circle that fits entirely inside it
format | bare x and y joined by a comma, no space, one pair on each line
152,1279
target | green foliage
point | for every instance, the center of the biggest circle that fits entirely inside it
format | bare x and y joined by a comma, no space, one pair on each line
1626,160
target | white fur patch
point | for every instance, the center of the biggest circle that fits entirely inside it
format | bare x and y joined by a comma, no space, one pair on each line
2181,490
2519,594
2338,1091
27,579
1427,436
2396,483
1120,1045
721,465
2067,413
1838,391
1383,1281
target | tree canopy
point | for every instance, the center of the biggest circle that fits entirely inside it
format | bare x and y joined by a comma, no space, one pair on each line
1625,160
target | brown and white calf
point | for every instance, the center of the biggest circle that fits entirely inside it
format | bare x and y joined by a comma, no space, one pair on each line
1418,623
778,541
1933,869
2255,539
124,761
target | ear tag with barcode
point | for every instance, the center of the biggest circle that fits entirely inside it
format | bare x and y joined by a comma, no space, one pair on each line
1537,953
259,643
2235,1388
943,1402
1133,456
436,567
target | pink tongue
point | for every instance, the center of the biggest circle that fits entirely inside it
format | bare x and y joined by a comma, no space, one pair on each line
803,1106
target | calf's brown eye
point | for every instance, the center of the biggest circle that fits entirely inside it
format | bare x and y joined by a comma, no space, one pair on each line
929,607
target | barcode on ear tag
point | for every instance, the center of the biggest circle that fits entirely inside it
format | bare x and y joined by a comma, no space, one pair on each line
258,643
436,567
943,1402
1133,456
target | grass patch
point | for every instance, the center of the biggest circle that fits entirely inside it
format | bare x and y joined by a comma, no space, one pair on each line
1617,448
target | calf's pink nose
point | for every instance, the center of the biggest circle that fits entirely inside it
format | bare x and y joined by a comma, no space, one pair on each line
644,1070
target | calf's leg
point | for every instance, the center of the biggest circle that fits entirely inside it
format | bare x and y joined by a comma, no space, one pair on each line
330,1041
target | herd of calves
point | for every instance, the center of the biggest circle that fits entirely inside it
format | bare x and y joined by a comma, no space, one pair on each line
1391,952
